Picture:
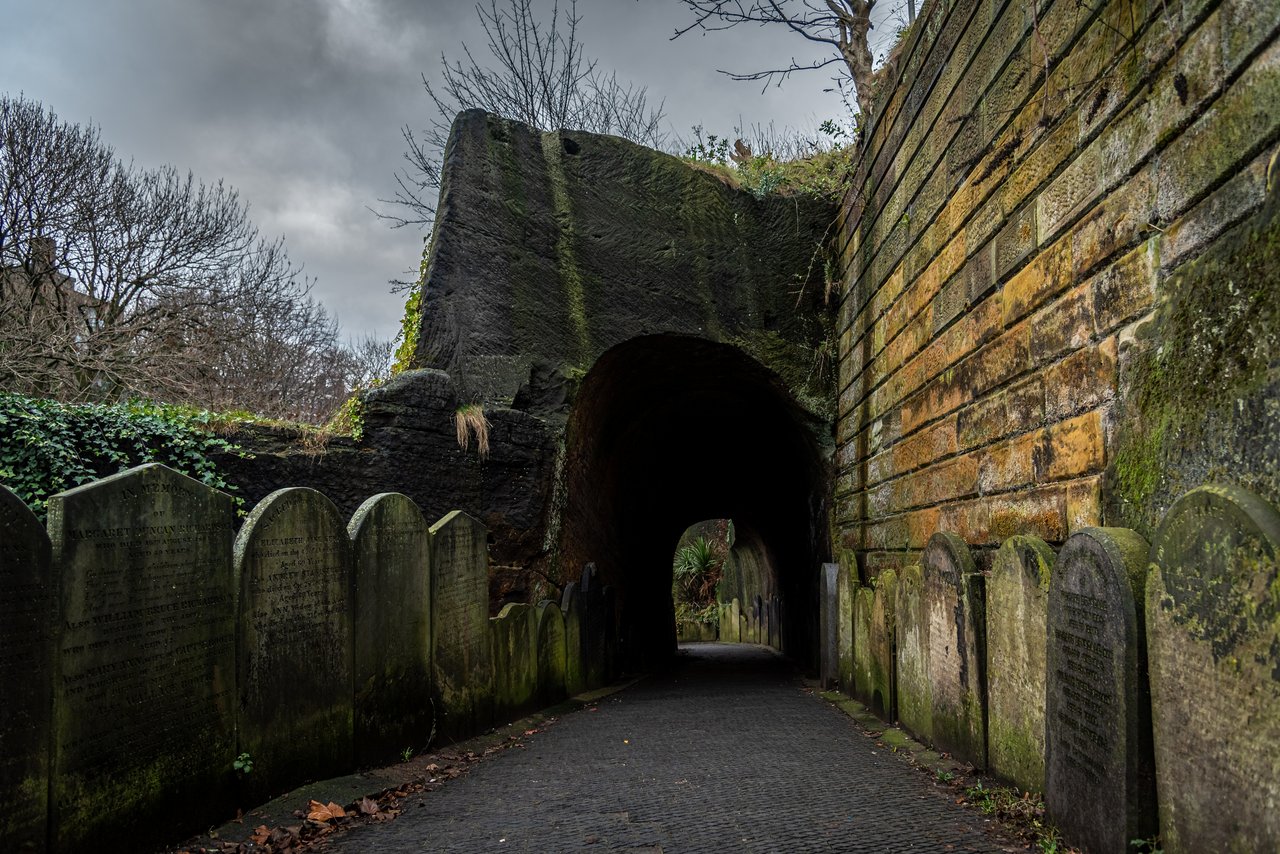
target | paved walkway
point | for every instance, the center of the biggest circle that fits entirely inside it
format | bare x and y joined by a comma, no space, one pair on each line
726,753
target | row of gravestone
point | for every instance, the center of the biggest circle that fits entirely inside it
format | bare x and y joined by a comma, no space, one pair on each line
1137,685
760,622
157,669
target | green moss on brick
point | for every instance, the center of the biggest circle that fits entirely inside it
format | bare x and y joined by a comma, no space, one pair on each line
1202,372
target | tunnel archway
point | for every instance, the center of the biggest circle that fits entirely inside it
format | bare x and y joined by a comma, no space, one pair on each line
667,430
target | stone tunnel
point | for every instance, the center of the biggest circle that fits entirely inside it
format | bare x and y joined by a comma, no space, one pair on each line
668,430
670,330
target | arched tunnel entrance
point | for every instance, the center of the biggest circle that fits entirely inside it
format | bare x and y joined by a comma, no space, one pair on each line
668,430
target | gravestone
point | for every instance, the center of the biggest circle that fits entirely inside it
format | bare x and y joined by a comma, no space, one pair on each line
1213,638
515,661
462,643
1099,780
735,621
610,635
592,626
28,615
954,614
725,630
552,663
575,681
1017,611
775,622
391,595
863,599
883,645
296,690
846,590
828,624
144,702
914,694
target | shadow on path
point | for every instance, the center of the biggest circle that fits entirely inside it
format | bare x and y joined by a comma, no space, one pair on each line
725,752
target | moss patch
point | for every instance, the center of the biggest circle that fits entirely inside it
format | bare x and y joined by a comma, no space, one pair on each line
1200,384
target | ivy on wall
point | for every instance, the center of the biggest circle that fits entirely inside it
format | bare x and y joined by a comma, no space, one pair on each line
47,447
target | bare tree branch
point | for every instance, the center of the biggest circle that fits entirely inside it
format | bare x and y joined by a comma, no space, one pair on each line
537,73
841,24
118,282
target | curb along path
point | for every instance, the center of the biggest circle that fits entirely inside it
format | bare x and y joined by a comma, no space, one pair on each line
725,753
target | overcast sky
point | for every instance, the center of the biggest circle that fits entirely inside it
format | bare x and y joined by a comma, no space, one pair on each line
299,103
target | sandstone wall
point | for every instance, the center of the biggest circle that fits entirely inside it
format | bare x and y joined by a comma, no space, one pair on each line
1059,307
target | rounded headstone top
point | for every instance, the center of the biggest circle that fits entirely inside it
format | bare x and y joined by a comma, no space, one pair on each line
946,549
383,502
1024,554
1217,551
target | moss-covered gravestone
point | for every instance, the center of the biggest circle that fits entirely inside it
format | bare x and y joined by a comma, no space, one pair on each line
1017,611
735,621
391,594
295,648
726,631
828,624
575,681
860,686
515,661
462,643
1213,639
846,591
954,614
28,614
144,703
552,663
913,690
1099,780
883,645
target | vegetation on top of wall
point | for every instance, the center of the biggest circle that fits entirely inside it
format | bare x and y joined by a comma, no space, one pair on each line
778,164
47,447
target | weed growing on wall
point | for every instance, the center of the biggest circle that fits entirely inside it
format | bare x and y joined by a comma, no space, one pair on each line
469,421
47,447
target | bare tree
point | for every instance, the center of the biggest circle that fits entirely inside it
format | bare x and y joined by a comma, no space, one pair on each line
117,281
841,24
538,75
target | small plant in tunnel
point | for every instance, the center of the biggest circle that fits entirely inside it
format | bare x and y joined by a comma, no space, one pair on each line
695,573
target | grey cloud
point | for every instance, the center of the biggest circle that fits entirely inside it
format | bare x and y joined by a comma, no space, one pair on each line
299,103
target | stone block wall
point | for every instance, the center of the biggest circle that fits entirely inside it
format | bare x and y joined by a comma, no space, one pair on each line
1058,307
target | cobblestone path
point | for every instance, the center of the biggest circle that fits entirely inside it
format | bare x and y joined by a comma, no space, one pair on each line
726,753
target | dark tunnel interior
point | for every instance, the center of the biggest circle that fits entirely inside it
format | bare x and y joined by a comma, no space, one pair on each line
668,430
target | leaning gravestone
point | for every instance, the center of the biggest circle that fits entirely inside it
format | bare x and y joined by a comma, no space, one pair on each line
883,645
144,703
28,614
1017,611
913,691
828,624
1099,780
575,680
551,653
391,593
295,648
954,614
462,651
861,687
1213,638
846,591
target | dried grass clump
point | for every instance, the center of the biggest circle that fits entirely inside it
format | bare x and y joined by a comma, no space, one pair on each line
470,421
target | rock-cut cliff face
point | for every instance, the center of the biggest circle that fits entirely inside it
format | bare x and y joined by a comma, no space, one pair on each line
554,247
